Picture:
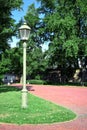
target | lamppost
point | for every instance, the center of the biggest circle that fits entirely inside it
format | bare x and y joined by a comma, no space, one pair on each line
24,32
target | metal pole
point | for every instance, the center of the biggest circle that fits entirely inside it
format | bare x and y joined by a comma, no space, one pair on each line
24,90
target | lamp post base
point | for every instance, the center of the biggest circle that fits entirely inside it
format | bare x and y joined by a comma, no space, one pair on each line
24,98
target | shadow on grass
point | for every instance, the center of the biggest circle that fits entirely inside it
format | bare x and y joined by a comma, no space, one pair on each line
4,88
28,87
15,88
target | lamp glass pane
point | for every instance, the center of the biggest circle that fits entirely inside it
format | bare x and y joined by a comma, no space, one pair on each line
27,33
24,34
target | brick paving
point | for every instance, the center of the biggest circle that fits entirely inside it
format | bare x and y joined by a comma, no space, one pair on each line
73,98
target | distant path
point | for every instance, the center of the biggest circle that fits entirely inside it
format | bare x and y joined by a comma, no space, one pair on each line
74,98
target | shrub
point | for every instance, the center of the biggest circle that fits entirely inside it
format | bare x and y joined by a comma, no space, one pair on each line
35,81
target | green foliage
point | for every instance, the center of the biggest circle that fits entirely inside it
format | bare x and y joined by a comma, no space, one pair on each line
37,77
39,111
7,23
5,66
7,30
65,27
61,23
71,47
32,16
36,81
16,55
11,61
36,62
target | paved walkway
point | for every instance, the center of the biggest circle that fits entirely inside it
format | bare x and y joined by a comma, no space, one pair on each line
74,98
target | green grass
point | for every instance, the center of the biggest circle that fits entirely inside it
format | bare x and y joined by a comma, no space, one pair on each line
39,111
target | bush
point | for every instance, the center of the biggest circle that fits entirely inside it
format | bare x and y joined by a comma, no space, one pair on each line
35,81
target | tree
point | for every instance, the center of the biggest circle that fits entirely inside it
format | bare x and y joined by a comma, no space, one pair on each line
65,27
7,23
36,62
7,30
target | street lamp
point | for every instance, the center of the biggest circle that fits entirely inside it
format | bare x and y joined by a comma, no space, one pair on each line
24,32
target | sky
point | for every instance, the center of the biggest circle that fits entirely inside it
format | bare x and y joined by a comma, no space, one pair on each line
20,14
17,15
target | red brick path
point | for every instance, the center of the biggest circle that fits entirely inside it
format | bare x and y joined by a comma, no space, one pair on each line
74,98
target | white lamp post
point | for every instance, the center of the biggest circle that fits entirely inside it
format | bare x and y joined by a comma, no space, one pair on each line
24,31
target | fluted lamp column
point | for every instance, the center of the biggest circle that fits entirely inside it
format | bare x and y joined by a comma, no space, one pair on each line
24,32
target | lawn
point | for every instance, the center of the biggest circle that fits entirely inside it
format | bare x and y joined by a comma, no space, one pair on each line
39,111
